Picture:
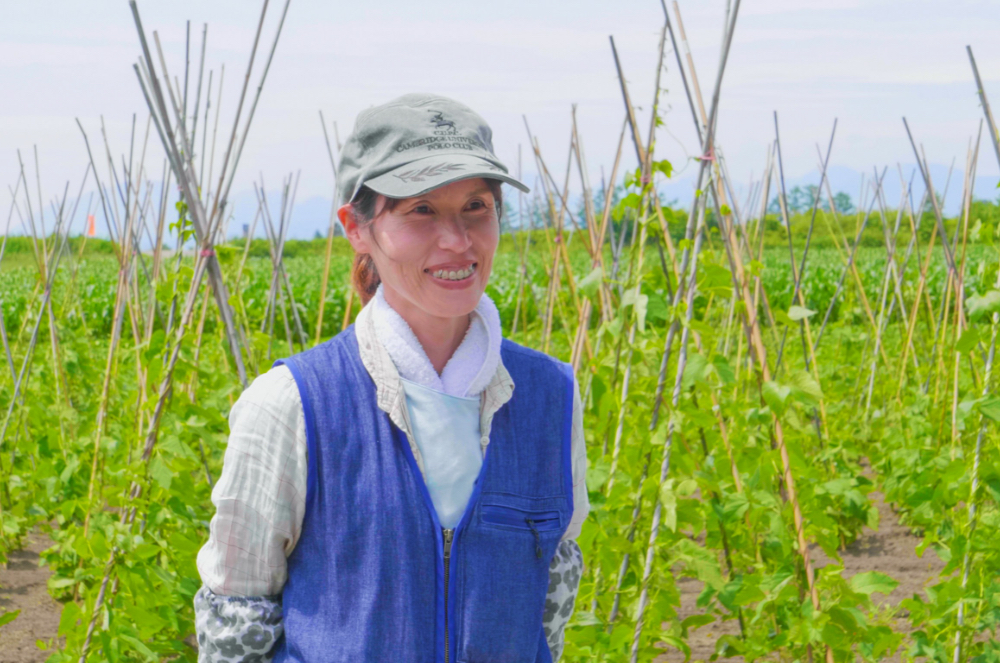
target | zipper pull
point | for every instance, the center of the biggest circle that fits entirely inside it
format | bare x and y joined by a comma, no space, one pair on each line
449,535
538,543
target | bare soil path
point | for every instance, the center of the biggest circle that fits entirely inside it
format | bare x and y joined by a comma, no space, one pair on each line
891,550
23,587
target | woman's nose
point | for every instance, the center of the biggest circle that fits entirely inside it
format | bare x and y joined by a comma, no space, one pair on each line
454,235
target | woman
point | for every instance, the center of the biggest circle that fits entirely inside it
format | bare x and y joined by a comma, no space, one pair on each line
411,489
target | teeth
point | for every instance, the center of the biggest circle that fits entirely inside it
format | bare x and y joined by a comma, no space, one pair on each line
452,275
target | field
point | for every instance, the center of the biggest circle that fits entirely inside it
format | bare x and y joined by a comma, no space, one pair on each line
758,512
790,404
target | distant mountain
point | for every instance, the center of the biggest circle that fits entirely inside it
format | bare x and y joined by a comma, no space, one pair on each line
849,180
308,216
312,215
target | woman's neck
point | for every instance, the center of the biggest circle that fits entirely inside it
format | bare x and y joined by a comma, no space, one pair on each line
439,337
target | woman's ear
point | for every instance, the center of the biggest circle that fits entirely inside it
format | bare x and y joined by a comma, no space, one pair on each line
353,230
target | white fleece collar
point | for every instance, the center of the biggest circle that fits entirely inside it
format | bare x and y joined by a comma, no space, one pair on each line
470,368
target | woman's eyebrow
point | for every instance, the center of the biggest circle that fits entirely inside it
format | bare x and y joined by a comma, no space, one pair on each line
410,204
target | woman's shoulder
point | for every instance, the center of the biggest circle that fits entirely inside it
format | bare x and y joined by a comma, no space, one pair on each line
344,340
274,390
514,355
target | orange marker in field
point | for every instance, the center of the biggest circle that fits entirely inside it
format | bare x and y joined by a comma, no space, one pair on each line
91,226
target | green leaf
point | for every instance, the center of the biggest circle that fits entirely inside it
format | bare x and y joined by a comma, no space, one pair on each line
797,313
695,371
687,487
776,396
71,613
591,282
723,369
663,166
668,499
991,409
140,646
782,317
8,617
748,594
873,581
806,389
597,474
160,473
640,303
968,341
981,305
697,621
171,444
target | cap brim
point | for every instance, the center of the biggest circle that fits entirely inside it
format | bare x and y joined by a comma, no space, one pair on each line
422,175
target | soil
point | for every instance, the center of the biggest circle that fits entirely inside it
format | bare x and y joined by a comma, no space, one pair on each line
891,550
23,587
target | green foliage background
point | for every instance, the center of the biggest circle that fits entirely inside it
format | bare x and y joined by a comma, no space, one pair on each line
738,541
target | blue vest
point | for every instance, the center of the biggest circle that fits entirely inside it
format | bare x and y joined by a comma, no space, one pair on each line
368,580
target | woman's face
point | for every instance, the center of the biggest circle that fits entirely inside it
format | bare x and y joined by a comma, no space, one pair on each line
433,252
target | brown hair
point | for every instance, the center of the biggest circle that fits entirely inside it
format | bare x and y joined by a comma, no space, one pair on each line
364,275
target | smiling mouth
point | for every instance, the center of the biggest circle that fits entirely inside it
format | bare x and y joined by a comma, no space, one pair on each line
453,275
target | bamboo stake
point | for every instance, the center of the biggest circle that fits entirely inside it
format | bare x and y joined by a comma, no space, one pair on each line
185,173
883,317
49,280
128,514
851,267
967,560
797,290
329,232
682,354
102,408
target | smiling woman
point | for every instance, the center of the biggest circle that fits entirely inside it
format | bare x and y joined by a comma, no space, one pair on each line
431,253
412,488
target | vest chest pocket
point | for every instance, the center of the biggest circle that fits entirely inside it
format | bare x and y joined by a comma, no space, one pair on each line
508,516
536,521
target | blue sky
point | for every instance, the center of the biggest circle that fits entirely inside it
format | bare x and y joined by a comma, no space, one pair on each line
865,62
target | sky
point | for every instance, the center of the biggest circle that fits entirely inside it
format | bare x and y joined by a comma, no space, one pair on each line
865,63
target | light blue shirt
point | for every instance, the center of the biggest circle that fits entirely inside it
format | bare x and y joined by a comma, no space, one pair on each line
446,429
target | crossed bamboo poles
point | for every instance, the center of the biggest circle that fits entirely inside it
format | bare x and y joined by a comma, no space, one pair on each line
892,282
208,216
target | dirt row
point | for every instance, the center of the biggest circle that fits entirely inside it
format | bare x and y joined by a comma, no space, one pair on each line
891,550
23,587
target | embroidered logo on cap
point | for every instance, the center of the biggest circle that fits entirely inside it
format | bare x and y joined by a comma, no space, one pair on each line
440,123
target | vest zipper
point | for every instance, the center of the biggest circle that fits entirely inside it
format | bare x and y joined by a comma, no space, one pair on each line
448,535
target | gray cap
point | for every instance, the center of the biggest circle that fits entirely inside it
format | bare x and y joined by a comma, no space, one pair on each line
416,143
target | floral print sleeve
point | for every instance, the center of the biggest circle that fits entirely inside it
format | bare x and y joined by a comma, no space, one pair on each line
235,629
564,582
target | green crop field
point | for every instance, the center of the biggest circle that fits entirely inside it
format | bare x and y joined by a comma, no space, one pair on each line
790,405
700,516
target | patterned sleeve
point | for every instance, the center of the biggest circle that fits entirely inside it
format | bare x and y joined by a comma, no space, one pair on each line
260,503
233,629
566,567
564,582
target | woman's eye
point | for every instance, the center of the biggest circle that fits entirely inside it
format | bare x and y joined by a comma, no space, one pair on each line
422,209
477,205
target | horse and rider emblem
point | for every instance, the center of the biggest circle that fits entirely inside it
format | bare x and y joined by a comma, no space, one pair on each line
439,122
